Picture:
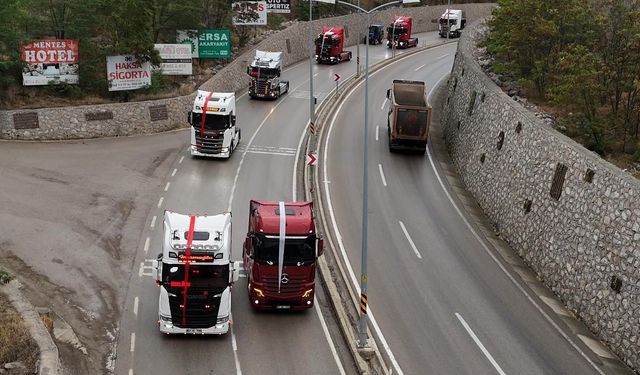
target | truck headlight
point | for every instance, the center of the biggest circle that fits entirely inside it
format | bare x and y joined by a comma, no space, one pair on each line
224,149
307,293
258,292
222,319
165,319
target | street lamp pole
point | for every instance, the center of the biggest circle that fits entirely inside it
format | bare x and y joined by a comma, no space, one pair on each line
312,103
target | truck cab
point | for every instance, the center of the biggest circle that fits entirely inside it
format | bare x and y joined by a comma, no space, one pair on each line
408,117
451,22
330,46
265,70
280,254
214,132
399,33
195,274
376,34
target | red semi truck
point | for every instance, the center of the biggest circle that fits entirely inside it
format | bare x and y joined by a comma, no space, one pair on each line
330,46
280,254
399,33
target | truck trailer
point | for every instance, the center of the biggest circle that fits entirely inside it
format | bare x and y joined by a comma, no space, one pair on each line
330,46
409,116
214,132
195,274
265,70
399,33
280,254
451,22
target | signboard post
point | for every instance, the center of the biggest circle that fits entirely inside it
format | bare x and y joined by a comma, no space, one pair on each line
50,61
124,72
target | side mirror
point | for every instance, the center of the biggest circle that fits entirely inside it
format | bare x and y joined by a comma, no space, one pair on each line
157,273
249,70
236,272
388,93
233,119
320,246
189,117
247,249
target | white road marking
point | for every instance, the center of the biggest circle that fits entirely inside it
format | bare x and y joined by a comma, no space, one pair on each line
384,181
130,371
181,159
394,363
133,342
420,67
166,187
234,345
328,336
141,269
377,131
160,201
268,153
413,245
135,306
153,221
175,170
502,267
146,245
315,75
443,56
479,343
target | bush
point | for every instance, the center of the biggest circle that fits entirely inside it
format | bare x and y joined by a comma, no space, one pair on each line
5,277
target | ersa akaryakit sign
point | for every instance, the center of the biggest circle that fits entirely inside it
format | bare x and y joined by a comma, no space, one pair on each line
48,61
125,72
278,6
206,44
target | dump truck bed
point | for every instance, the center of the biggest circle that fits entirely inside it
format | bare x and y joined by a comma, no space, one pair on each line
409,93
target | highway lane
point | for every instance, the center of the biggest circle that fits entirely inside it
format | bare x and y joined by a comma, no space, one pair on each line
262,168
442,303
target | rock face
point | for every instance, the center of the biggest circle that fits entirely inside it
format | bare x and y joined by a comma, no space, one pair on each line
573,217
122,119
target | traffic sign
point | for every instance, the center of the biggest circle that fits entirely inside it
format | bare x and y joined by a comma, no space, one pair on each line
311,158
337,77
312,128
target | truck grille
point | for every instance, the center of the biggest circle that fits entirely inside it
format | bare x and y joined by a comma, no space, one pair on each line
197,314
259,86
211,143
294,286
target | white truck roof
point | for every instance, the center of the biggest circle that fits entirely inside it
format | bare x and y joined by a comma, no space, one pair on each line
212,235
453,14
219,103
266,59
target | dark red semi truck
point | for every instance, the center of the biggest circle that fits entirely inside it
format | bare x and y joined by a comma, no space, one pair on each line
399,33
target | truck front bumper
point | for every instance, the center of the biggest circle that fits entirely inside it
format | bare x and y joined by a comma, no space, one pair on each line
223,154
276,302
170,329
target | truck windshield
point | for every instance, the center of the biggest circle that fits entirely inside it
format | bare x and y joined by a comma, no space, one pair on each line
328,42
452,21
264,73
398,31
411,122
212,122
295,250
200,276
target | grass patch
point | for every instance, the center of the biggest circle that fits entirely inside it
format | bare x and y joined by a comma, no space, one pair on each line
16,343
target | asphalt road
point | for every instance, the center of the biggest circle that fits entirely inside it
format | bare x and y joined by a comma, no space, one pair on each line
262,168
442,303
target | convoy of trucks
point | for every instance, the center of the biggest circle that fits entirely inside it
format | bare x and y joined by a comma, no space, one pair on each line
213,124
280,254
330,46
409,116
399,33
265,70
195,274
451,22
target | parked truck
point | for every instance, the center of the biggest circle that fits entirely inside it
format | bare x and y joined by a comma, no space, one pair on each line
330,46
451,22
399,33
409,116
376,34
213,124
280,254
265,70
195,274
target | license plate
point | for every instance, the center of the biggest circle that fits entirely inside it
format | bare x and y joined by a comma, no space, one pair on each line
194,330
283,307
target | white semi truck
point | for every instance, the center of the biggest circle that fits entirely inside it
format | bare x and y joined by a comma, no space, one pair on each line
451,22
195,274
265,70
213,124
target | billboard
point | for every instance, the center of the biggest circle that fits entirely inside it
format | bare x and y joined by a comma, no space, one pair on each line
278,6
247,13
48,61
207,44
176,59
124,72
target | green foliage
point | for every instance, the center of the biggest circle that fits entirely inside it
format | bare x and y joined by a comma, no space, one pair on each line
5,277
274,21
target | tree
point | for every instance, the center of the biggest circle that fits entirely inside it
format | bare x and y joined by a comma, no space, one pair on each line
12,15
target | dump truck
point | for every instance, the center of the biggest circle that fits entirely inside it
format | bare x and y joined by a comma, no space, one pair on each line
265,70
409,116
451,22
399,33
330,46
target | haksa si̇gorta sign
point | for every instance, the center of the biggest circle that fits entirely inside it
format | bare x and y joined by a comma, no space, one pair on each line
249,12
48,61
124,72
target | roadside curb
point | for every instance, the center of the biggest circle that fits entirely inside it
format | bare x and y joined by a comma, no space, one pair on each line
331,268
49,362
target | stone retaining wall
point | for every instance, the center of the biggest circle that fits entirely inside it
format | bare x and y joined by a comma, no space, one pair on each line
121,119
573,217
